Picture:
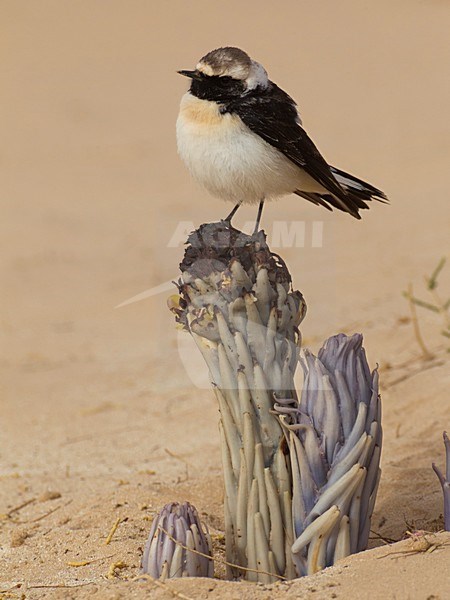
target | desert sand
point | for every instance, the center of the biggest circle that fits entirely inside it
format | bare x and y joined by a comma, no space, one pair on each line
105,414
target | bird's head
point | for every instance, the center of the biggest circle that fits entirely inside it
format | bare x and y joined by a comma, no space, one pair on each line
226,73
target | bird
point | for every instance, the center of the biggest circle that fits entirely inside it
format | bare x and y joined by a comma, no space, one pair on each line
241,137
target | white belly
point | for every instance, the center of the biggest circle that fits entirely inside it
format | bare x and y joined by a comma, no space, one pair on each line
230,160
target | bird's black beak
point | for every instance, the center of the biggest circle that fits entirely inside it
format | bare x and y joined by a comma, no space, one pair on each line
190,74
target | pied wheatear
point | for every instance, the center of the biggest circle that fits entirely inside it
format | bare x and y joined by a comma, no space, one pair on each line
241,136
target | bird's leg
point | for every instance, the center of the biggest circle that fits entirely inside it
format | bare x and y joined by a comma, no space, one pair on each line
232,213
258,217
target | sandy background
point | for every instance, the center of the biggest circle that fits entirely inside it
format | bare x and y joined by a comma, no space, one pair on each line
99,419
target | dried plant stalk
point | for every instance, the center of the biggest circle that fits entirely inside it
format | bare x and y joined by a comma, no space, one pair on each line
300,476
237,303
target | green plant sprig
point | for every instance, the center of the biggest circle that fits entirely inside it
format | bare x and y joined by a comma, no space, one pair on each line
437,305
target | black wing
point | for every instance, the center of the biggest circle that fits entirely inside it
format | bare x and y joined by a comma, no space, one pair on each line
272,115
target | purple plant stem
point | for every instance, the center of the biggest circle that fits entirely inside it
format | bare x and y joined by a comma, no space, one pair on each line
445,481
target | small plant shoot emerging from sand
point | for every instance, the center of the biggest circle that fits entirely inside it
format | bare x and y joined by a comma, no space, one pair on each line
445,481
178,544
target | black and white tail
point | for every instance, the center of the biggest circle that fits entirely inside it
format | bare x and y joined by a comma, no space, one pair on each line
355,194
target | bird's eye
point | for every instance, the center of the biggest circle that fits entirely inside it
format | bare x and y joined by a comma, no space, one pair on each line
224,81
